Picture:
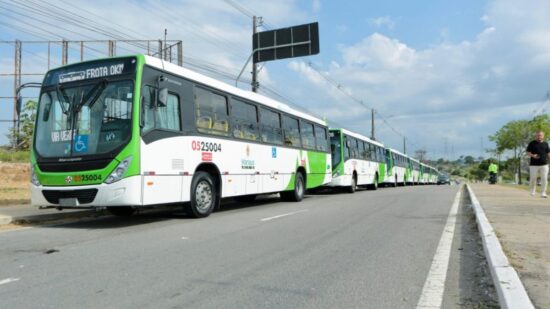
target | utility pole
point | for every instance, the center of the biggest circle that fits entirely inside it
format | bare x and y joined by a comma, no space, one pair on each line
404,145
16,85
446,149
165,46
64,52
254,67
372,124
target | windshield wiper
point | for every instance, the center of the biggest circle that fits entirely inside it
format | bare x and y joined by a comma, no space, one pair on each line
63,99
92,96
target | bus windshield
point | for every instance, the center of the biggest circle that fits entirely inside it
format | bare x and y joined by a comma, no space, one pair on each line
335,149
84,119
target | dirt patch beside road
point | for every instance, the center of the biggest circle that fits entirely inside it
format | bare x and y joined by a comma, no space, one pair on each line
14,186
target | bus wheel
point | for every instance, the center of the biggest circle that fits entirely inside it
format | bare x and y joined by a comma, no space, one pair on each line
245,198
297,194
121,211
374,185
353,187
203,196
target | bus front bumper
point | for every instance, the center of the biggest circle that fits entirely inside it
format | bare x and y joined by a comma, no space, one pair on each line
340,181
125,192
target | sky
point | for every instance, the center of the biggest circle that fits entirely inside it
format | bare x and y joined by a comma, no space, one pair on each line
444,74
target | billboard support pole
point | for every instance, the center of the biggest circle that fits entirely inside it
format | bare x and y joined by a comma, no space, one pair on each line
255,82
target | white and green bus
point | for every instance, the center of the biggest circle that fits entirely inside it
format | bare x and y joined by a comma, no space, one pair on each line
128,132
414,166
356,160
397,168
428,174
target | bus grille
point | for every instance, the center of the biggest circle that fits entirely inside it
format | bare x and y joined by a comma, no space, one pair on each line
84,196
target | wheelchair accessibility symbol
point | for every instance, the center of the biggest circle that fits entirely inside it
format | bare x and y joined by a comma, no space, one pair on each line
80,143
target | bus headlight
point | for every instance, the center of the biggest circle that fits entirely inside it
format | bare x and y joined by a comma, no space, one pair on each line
119,171
336,174
34,178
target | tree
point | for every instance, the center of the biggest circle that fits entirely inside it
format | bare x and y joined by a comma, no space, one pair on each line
515,135
540,123
512,136
469,160
23,139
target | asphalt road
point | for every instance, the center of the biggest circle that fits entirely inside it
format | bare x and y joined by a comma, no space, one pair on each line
371,249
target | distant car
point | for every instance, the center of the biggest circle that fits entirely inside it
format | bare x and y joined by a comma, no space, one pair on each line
443,180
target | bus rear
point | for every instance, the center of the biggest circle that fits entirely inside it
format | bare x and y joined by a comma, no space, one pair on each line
86,141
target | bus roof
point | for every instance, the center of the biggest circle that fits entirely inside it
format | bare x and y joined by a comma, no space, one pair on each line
398,152
359,136
415,160
200,78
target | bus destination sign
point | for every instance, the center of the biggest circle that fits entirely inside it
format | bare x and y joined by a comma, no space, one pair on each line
91,70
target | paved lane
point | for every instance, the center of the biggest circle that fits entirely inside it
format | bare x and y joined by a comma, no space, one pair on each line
369,249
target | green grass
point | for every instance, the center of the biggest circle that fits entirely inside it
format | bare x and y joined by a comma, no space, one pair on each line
14,156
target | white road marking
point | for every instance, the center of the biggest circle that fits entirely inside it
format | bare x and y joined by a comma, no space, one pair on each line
283,215
185,238
8,280
434,287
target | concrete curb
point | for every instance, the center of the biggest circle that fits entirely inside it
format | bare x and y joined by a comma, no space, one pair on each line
510,290
42,218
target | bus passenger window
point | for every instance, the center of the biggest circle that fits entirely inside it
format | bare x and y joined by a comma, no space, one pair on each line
270,123
212,112
321,139
308,140
245,120
291,132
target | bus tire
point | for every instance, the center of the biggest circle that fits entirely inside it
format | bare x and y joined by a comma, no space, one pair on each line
374,185
353,187
121,211
204,197
245,198
297,194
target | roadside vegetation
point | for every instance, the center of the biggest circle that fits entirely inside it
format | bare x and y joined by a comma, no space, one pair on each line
509,153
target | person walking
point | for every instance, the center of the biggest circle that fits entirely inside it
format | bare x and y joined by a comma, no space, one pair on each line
539,152
493,170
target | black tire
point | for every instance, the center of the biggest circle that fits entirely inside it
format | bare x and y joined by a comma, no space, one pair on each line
245,198
204,197
122,211
374,185
297,194
353,187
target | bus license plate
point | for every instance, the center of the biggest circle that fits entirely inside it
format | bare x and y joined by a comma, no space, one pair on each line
68,202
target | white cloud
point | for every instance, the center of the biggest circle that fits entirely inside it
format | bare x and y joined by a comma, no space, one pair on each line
459,89
316,5
382,21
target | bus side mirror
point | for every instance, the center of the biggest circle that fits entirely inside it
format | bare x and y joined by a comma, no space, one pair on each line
162,97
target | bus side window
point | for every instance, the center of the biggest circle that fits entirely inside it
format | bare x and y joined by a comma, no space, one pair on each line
308,138
291,131
160,117
245,120
346,148
270,126
321,138
211,112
